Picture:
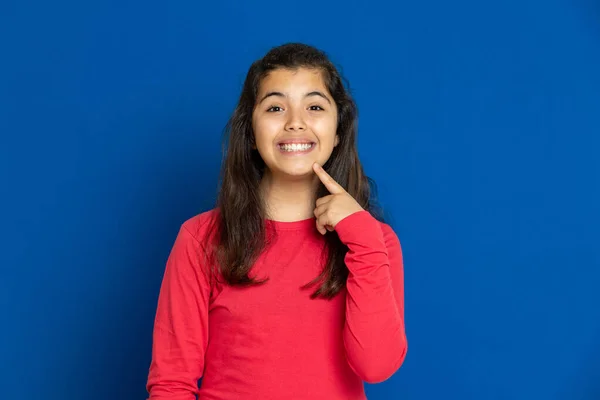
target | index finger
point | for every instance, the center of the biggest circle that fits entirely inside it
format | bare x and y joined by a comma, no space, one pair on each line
328,181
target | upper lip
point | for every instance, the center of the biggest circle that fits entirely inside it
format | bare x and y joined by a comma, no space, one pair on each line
295,141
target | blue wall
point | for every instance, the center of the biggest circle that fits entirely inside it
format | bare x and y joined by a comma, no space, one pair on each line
479,121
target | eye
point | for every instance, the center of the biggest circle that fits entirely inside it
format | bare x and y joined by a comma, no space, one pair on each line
316,108
274,109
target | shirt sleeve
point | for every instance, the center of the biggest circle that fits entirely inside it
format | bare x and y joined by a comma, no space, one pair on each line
374,333
180,334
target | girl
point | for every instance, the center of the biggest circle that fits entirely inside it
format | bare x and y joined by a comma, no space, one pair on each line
290,288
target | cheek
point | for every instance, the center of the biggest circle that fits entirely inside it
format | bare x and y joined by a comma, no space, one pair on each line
265,131
327,129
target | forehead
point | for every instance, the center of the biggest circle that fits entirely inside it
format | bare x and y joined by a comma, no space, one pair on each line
291,80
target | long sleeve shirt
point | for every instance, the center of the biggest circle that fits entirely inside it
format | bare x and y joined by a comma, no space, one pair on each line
272,341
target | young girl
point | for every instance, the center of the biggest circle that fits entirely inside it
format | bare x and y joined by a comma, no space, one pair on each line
290,288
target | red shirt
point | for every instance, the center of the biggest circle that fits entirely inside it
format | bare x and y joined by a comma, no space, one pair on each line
272,341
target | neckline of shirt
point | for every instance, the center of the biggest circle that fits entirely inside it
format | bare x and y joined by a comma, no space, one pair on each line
299,225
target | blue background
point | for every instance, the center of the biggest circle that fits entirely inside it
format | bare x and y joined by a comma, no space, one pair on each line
478,120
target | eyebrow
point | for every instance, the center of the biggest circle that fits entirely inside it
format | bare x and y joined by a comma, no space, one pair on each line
279,94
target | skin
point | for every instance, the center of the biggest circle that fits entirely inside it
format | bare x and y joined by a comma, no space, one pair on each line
296,105
333,208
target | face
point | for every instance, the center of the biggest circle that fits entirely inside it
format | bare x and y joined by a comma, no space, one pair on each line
294,121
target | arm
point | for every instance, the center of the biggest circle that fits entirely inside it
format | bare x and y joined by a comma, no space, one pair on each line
374,333
180,333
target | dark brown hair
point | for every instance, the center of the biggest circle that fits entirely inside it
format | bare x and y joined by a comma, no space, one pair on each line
240,232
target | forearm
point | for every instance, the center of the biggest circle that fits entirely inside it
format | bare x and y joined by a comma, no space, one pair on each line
374,333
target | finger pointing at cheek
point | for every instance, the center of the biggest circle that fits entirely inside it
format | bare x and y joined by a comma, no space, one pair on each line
331,209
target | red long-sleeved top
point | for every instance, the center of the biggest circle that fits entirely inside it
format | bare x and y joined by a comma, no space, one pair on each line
272,341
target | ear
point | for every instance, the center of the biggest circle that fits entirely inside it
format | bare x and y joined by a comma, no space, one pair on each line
337,140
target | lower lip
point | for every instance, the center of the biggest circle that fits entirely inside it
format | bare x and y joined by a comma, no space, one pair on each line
296,152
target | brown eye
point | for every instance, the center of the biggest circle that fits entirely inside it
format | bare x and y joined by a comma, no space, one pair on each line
274,109
316,108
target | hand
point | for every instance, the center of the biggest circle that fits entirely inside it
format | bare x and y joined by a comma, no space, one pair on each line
335,207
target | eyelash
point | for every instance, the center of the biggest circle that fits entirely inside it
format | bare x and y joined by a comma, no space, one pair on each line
270,109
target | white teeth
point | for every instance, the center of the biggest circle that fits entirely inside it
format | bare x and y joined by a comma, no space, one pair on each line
296,146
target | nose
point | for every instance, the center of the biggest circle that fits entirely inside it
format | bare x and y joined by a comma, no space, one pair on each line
295,122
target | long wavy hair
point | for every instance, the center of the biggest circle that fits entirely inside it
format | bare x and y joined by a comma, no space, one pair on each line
240,231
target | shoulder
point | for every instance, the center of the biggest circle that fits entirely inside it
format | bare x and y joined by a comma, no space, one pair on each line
201,225
387,229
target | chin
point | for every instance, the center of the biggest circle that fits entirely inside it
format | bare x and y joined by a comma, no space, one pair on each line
297,171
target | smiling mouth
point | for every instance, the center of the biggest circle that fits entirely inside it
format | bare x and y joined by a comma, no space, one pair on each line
296,147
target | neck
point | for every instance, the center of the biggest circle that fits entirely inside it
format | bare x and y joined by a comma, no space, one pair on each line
288,199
